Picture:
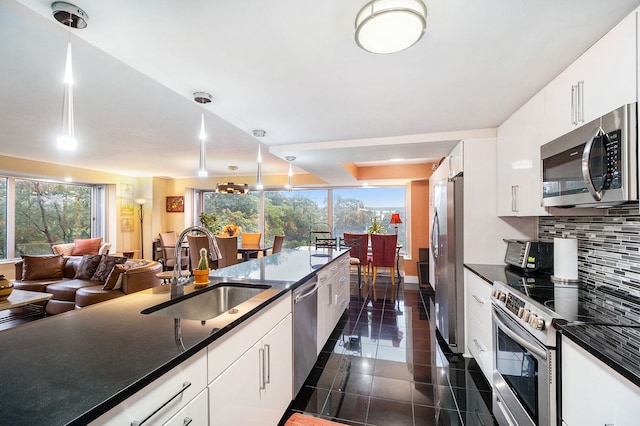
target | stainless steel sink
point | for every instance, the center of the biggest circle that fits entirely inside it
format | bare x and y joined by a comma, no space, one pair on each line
207,304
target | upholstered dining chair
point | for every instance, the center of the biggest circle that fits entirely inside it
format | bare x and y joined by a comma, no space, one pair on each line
359,244
229,251
278,241
251,240
197,242
383,249
168,242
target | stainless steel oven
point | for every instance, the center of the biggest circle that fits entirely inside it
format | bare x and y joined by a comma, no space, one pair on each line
524,375
525,313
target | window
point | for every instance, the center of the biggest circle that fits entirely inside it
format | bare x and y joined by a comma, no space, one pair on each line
295,214
242,210
3,218
49,213
354,210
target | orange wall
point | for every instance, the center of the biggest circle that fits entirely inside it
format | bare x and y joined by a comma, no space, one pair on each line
419,222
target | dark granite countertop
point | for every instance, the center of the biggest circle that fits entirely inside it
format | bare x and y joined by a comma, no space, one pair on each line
72,367
609,328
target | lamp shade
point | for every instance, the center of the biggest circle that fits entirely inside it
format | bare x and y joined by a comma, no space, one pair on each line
395,219
388,26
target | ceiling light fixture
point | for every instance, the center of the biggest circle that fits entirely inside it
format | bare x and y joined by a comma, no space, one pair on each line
232,188
73,17
290,159
389,26
202,98
259,134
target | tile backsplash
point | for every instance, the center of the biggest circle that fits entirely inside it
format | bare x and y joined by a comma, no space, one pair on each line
608,246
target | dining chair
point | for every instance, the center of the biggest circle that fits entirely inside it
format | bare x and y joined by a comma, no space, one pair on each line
229,250
383,249
168,242
251,240
197,242
358,244
278,241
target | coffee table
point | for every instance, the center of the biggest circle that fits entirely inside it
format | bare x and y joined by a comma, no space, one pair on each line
23,299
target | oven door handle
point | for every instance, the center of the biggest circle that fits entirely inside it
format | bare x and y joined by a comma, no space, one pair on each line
519,339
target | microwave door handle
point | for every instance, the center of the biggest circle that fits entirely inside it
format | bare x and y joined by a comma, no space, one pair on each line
586,173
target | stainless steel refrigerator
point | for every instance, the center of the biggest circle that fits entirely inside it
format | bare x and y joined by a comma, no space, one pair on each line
447,255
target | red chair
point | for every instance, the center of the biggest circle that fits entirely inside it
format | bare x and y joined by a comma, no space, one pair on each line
359,244
383,248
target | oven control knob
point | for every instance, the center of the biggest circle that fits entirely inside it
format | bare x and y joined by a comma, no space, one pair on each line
502,296
538,324
520,312
525,315
532,319
495,293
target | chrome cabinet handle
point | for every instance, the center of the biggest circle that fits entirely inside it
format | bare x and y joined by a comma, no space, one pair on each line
185,386
187,421
263,384
479,345
574,100
268,363
580,102
480,301
514,198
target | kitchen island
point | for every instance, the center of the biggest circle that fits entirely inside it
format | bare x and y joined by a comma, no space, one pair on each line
74,367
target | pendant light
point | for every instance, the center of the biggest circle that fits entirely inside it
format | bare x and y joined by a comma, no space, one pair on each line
259,186
389,26
73,17
290,159
202,98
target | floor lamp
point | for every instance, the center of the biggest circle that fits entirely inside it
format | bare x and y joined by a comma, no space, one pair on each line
140,202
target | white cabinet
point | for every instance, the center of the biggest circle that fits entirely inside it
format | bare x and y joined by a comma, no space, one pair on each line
599,81
257,388
478,321
593,393
333,297
164,398
455,160
518,175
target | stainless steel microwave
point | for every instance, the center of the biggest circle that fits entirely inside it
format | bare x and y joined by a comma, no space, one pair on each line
595,165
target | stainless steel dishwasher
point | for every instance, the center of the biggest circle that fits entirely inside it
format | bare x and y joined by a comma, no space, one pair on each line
305,331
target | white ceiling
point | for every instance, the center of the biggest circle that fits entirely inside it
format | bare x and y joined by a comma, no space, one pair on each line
290,67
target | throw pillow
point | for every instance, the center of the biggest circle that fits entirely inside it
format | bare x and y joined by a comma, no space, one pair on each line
106,266
115,277
42,267
88,266
86,246
63,249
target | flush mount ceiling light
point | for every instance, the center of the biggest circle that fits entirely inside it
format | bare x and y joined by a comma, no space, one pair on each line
388,26
73,17
202,98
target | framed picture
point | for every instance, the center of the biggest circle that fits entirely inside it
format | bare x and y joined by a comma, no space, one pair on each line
126,207
175,204
126,190
126,224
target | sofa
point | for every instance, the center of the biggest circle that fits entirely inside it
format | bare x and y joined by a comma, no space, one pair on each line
79,281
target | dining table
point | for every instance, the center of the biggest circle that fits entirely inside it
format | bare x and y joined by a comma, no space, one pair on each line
247,250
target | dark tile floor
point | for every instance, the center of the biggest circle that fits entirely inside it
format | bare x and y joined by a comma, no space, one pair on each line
385,365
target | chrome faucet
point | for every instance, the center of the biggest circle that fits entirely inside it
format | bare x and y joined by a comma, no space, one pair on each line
176,277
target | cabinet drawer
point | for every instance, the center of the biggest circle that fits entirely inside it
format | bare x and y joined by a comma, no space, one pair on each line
480,344
195,413
478,298
232,345
176,388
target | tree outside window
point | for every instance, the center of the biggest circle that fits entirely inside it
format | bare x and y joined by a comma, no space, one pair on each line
49,213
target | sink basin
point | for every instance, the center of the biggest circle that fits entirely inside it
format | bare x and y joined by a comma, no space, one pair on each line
207,304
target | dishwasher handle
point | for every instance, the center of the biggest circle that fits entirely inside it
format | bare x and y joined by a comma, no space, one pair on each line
297,298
